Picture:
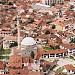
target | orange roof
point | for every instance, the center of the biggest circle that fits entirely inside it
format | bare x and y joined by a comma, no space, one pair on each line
68,46
69,67
15,61
3,74
21,34
54,51
35,73
18,72
53,9
1,65
38,22
37,56
58,51
10,38
58,22
24,72
25,59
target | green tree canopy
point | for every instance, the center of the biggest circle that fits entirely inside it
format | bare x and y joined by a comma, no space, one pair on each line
47,32
14,44
53,4
53,26
32,54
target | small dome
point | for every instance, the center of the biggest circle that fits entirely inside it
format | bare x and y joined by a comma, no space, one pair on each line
28,41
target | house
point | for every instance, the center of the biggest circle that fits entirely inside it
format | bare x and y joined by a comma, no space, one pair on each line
7,41
18,72
26,60
59,25
35,73
42,39
2,67
40,24
23,65
54,10
65,36
48,2
51,54
15,62
24,72
11,39
22,34
45,66
69,47
5,32
6,45
29,14
69,68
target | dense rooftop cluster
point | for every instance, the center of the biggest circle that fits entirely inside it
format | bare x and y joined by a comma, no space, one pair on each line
46,37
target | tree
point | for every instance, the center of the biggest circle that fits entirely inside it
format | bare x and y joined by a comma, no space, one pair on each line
32,19
57,47
32,54
72,40
10,3
4,2
47,32
53,26
14,44
53,4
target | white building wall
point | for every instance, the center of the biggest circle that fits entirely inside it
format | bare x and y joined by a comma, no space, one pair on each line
1,72
49,2
25,64
26,51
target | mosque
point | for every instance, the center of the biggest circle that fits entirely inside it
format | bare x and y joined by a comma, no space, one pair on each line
28,45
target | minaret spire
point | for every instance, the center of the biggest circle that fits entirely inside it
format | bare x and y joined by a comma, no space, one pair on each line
18,25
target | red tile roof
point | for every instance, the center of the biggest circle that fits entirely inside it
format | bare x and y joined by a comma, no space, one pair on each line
68,46
15,61
69,67
58,51
2,65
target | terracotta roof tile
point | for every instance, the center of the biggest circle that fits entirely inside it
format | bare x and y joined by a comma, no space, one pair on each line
15,61
69,67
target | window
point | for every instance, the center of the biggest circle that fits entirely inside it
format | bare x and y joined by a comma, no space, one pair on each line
36,70
52,55
68,70
37,39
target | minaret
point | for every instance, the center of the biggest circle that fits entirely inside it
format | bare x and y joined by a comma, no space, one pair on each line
18,26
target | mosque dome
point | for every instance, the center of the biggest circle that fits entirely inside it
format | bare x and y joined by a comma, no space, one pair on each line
28,41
